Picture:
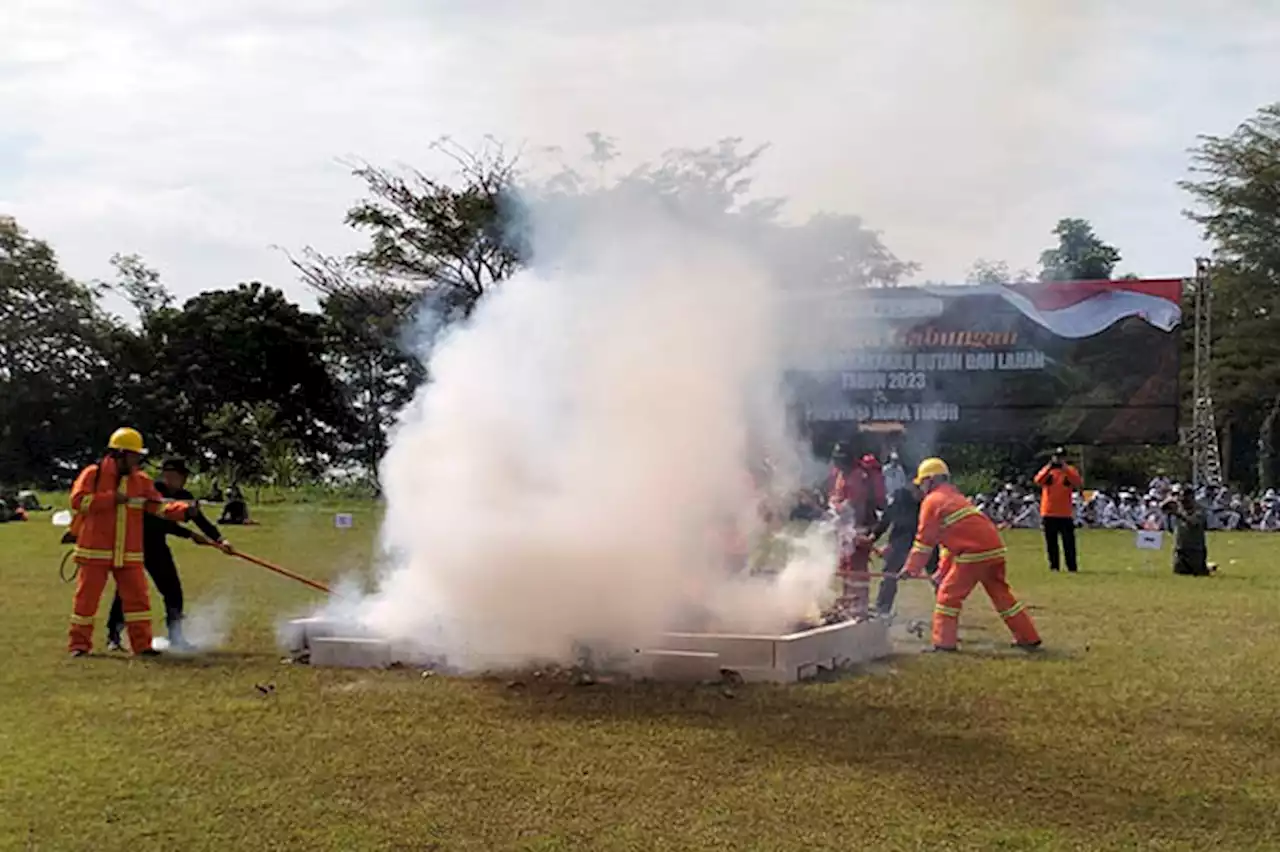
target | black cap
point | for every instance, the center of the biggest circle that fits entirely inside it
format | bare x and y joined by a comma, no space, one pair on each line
176,465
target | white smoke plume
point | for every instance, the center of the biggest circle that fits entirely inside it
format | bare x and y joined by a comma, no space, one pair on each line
562,478
207,623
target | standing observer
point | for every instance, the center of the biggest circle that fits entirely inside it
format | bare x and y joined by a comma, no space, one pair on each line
1058,482
109,500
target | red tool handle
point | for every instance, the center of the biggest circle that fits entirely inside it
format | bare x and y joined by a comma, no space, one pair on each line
902,576
270,567
292,576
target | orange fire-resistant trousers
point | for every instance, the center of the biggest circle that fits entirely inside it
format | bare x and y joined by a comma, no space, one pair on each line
956,585
855,579
131,581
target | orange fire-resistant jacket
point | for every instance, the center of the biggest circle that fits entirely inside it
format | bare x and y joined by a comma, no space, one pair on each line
947,518
110,535
1056,490
946,561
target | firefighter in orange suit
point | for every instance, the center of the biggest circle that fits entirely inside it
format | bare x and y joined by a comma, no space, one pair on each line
946,561
108,500
974,554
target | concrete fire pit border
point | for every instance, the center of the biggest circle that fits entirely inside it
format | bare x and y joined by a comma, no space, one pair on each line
784,658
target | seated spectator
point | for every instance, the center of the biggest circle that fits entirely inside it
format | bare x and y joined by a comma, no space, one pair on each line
236,510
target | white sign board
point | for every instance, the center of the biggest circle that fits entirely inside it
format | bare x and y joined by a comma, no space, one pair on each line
1150,539
343,522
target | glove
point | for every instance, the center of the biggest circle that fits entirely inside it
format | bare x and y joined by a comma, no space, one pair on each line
200,540
225,547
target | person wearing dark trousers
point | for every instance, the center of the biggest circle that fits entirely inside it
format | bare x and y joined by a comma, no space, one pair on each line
1190,547
158,559
1058,482
900,519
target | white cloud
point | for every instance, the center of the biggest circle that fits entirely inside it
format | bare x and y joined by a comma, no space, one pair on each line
201,133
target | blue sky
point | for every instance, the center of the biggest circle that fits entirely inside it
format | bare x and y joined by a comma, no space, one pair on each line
204,135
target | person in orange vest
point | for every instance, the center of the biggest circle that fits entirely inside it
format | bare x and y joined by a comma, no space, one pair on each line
109,499
974,554
1058,482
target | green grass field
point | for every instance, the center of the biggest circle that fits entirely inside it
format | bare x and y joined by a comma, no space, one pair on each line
1152,722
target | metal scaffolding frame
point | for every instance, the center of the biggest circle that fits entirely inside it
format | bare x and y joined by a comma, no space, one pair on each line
1206,460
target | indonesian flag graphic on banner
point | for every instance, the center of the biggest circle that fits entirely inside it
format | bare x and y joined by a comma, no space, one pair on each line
1076,309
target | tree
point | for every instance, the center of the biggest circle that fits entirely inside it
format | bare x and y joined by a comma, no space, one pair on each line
988,272
368,347
438,246
236,439
1238,190
448,239
1234,184
59,398
832,250
1079,256
245,346
140,284
712,186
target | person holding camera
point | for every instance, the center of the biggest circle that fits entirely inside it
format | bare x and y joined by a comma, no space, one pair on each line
1190,547
1058,482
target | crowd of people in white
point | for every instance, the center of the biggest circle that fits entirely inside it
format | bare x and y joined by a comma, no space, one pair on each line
1128,509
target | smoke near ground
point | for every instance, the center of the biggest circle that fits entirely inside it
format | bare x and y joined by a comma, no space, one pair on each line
207,623
569,473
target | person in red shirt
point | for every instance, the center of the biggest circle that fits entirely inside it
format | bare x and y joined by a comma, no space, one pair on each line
975,555
852,487
875,486
847,485
1058,482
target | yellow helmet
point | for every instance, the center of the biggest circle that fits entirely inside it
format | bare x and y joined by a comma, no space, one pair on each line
126,440
930,468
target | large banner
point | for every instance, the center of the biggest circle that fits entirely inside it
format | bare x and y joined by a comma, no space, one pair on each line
1089,362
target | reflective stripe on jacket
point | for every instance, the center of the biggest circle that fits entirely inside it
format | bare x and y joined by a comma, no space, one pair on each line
110,535
949,520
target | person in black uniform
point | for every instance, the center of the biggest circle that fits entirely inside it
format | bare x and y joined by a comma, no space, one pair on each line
900,519
158,559
236,510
